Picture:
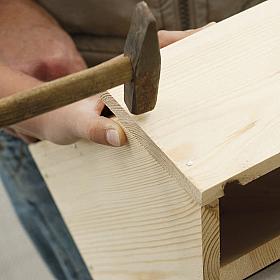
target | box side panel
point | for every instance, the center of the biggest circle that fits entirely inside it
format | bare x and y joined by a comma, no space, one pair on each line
217,115
250,226
253,261
128,216
211,241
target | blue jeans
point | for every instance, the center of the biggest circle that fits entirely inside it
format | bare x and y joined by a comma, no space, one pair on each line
37,211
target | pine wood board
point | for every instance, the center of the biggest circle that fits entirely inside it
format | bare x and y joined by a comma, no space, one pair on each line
217,117
253,261
131,219
250,226
211,241
150,210
128,216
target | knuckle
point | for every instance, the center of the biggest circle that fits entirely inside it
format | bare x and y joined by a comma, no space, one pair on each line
97,131
162,33
93,130
52,67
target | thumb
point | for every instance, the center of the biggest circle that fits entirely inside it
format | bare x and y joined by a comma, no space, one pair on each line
104,131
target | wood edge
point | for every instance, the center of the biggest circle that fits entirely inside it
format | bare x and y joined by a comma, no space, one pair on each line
210,195
132,130
34,147
253,261
258,170
211,241
202,198
245,177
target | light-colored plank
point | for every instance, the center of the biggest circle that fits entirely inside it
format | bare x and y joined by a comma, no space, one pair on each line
270,273
253,261
250,226
135,212
130,219
249,216
211,241
217,116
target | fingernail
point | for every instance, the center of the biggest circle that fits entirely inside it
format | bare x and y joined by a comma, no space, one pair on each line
112,137
209,24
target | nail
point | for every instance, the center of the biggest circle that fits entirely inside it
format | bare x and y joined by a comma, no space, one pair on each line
113,138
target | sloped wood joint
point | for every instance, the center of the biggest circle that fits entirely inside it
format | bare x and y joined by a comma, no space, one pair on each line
133,131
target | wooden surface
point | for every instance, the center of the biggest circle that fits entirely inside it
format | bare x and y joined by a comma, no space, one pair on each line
269,273
250,226
21,260
143,211
211,241
129,217
132,220
217,116
249,216
253,261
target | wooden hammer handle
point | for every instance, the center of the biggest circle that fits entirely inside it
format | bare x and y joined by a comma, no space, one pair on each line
55,94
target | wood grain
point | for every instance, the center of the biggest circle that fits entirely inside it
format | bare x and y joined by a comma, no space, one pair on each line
217,114
211,241
129,217
149,210
252,262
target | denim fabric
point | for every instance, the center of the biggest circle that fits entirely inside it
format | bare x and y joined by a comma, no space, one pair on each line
37,210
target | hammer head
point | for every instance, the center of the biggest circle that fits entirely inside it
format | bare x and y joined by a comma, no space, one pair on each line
142,47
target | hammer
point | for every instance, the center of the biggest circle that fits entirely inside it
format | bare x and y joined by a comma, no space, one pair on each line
138,68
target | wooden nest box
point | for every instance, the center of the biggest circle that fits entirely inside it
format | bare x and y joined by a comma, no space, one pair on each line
196,192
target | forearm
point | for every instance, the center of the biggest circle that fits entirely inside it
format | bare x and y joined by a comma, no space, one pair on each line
13,15
11,80
10,9
32,42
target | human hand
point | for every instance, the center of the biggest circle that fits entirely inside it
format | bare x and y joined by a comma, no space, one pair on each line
169,37
83,122
46,53
67,124
80,120
31,42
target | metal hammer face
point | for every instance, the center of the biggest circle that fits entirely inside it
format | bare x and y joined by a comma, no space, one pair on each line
142,47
